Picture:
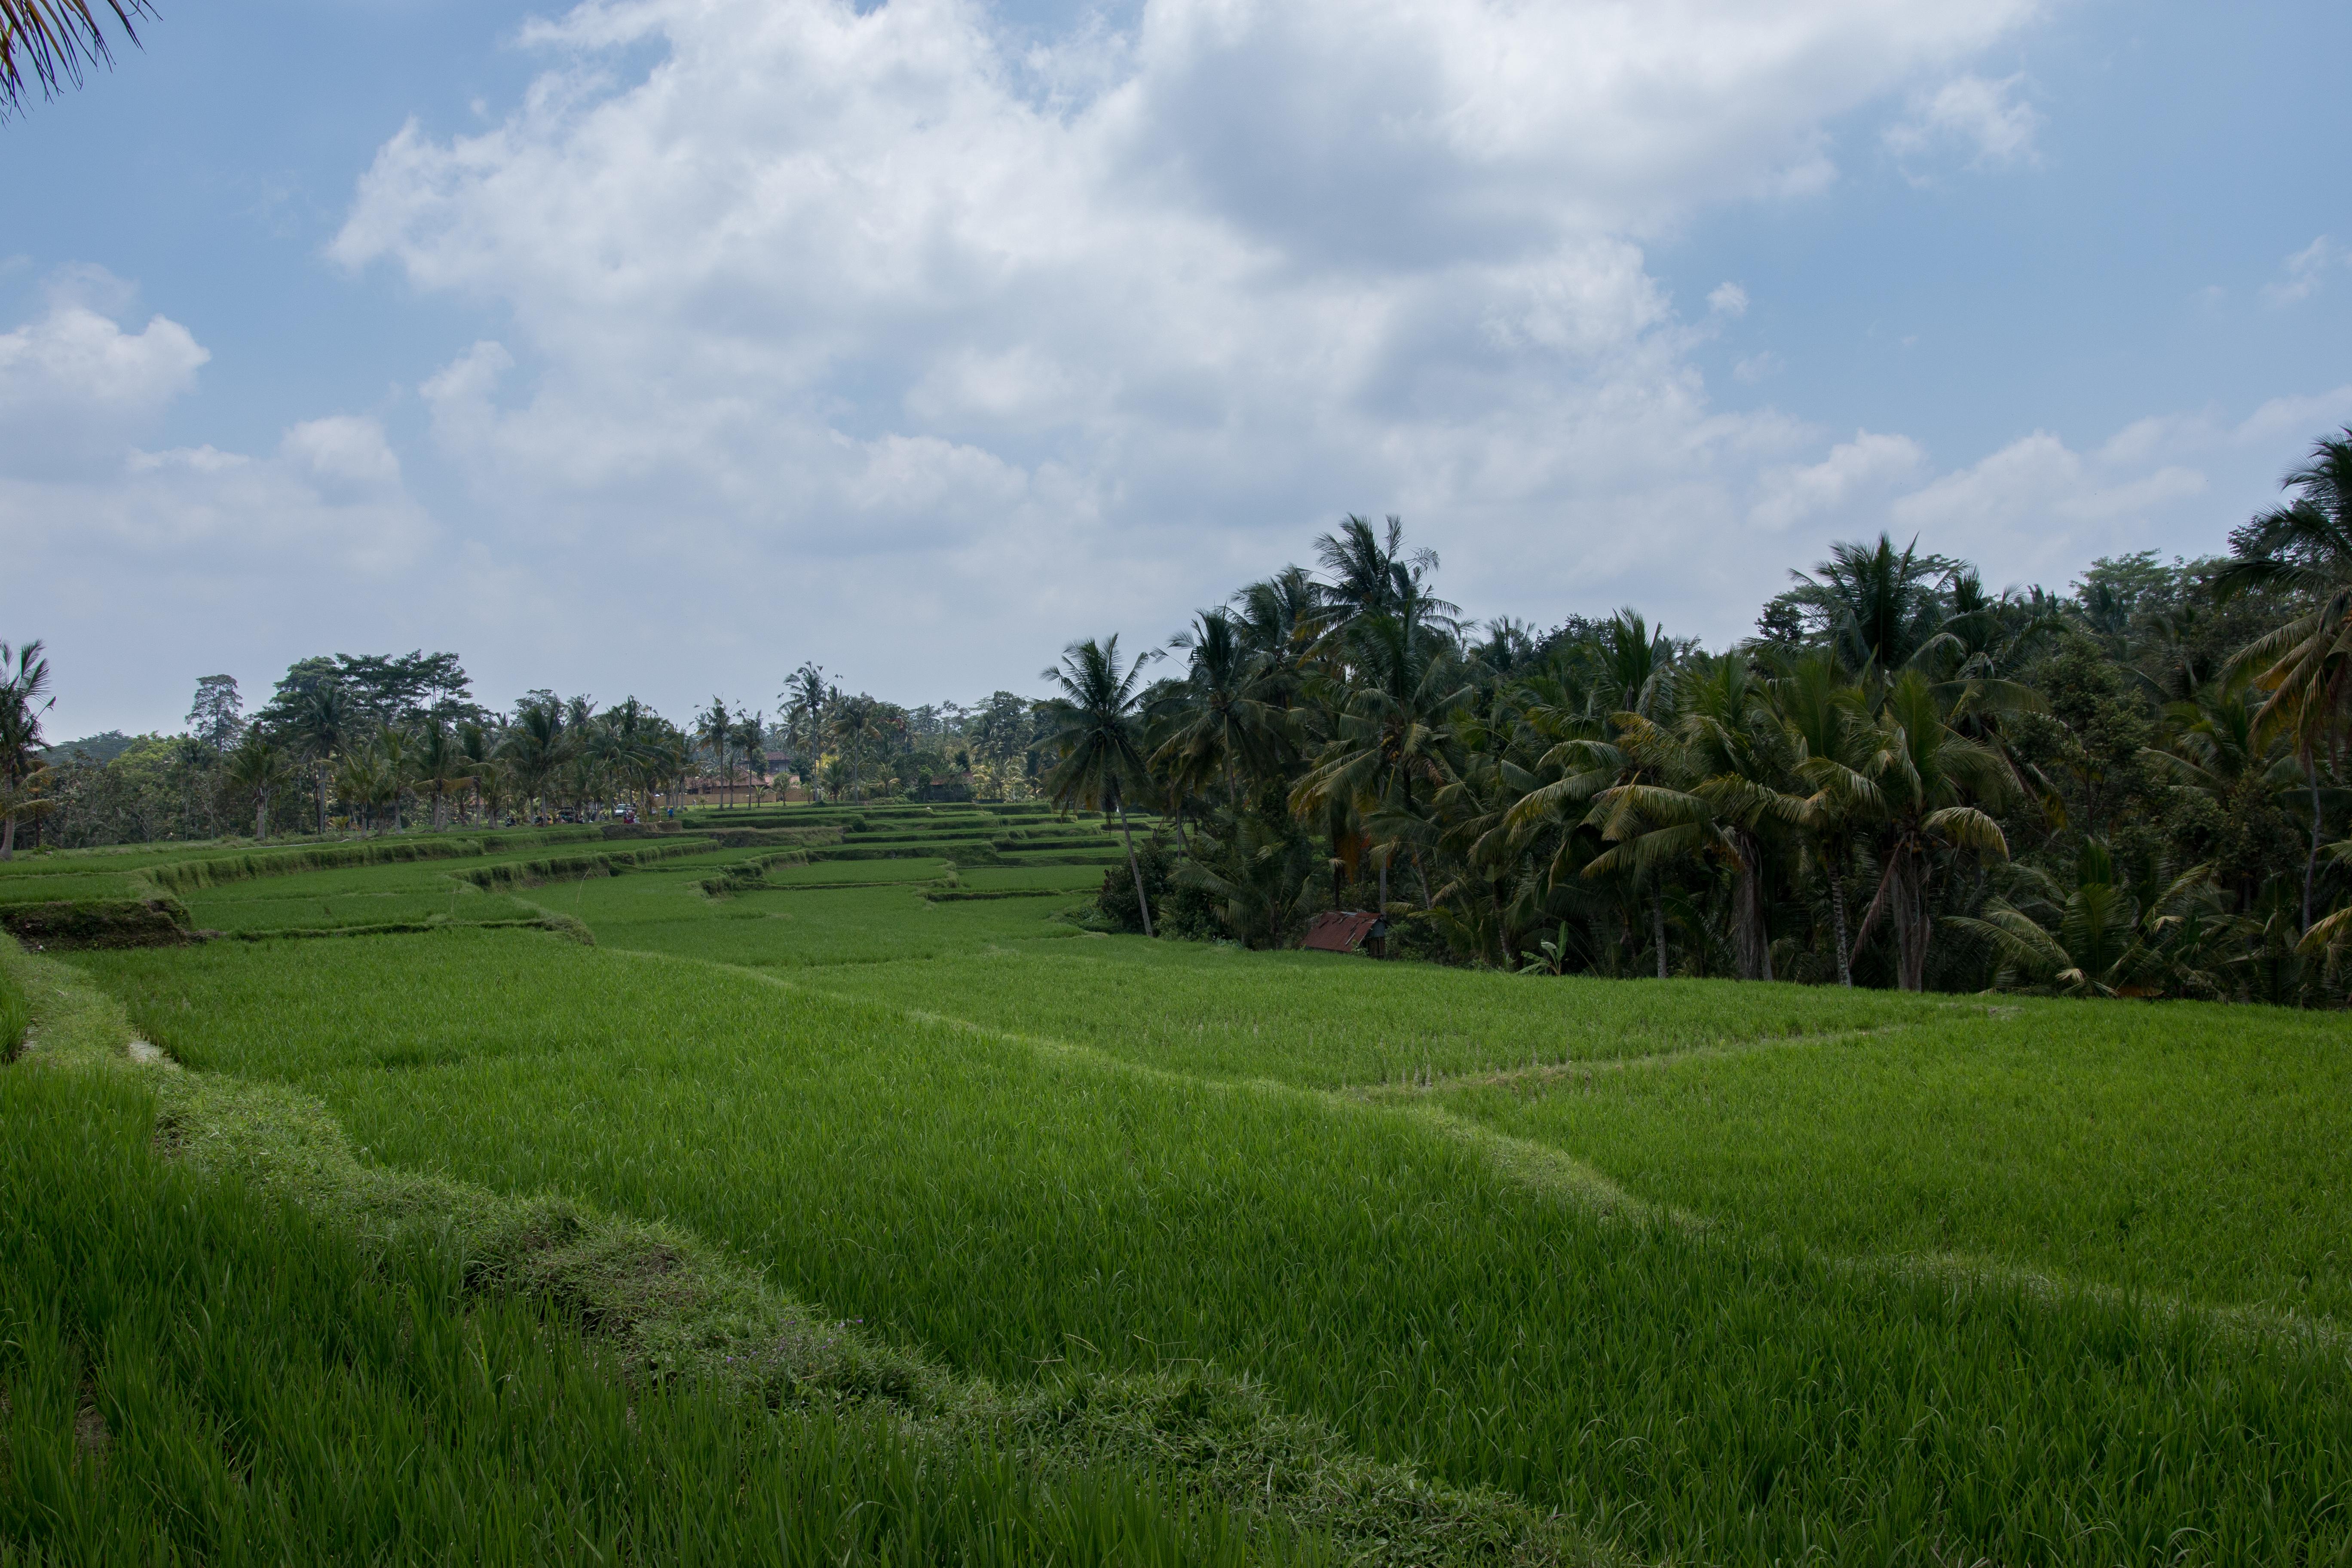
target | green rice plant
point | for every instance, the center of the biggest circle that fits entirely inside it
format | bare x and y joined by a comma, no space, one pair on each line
1075,879
2192,1149
785,927
1326,1020
15,1016
461,903
73,885
1013,1201
196,1371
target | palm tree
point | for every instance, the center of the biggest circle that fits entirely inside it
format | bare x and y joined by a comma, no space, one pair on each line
857,725
1098,734
1826,722
2100,937
715,728
393,760
752,745
2305,665
24,683
481,766
1922,775
1734,742
534,746
805,698
322,722
1218,723
253,769
1389,732
441,770
1880,609
1372,574
54,39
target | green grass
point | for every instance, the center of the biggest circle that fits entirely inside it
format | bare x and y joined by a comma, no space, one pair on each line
1327,1020
782,927
2192,1149
327,911
195,1373
39,889
15,1016
1077,879
1716,1393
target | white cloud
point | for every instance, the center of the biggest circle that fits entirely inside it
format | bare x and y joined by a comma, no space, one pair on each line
1867,464
1990,120
1056,333
2305,271
73,382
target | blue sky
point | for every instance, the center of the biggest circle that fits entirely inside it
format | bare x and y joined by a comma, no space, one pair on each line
654,347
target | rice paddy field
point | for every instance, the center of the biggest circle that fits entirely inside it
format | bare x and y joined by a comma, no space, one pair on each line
1539,1269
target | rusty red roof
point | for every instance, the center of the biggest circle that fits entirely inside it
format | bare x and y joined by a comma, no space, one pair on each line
1339,931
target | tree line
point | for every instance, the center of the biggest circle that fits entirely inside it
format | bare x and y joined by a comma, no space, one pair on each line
385,742
1902,779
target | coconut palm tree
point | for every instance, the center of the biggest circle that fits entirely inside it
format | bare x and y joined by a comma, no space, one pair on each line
752,745
805,698
54,40
1216,723
715,728
534,747
858,727
1922,775
1879,608
1825,720
253,769
1384,755
394,757
24,698
2305,665
1098,734
441,769
323,722
1372,574
2101,937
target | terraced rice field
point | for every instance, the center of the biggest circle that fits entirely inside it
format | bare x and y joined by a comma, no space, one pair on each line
1697,1271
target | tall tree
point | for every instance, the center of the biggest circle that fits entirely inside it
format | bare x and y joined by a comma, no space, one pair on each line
322,722
253,769
1096,733
2305,665
441,769
24,698
805,698
715,728
216,716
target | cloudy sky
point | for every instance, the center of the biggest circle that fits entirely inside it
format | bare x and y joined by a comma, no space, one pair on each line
655,346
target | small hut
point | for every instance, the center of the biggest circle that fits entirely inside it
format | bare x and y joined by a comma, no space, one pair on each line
1346,931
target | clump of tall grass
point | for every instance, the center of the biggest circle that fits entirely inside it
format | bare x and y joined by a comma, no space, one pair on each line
15,1016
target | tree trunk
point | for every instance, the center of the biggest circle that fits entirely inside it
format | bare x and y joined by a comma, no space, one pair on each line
323,805
1837,911
2311,862
8,838
1658,928
1751,948
1142,904
261,816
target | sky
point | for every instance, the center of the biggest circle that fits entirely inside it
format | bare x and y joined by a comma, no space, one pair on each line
653,347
